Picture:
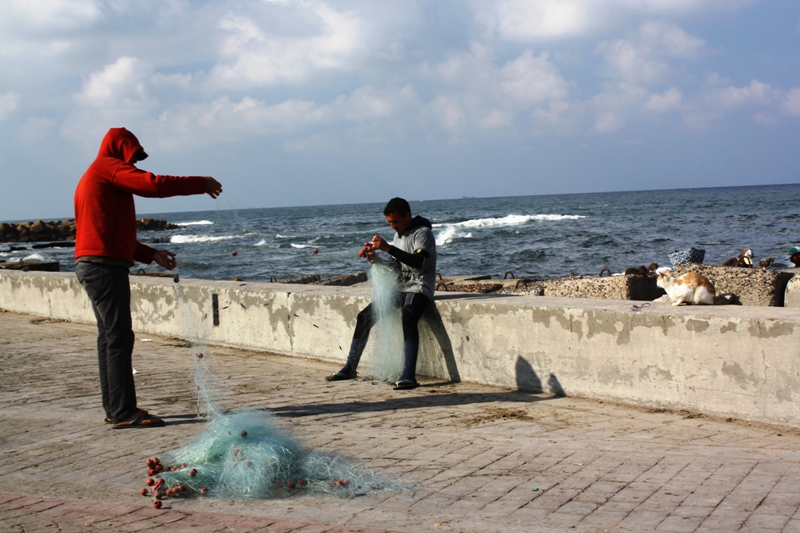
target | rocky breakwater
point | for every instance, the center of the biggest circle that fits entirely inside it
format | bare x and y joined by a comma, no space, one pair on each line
63,230
750,286
621,287
38,231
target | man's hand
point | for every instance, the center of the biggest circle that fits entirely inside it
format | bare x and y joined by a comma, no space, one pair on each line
213,187
165,258
379,243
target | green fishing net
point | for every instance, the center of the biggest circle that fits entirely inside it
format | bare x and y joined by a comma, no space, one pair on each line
383,357
244,454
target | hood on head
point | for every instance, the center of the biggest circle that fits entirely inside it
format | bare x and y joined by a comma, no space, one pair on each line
420,221
120,143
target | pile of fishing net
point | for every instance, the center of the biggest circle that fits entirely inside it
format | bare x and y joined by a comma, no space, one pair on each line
242,455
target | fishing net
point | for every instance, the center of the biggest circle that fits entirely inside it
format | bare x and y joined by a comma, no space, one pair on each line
383,359
243,454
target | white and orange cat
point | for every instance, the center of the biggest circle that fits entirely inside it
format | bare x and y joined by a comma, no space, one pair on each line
691,288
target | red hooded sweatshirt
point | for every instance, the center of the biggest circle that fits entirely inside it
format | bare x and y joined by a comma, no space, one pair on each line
104,212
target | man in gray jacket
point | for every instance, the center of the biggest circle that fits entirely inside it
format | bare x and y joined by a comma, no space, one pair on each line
414,255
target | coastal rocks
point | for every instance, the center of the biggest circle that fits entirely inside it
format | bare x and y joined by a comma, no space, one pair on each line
152,224
63,230
749,286
343,281
314,279
752,286
630,287
38,231
29,266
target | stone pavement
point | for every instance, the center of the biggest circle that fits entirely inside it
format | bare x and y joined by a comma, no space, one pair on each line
477,458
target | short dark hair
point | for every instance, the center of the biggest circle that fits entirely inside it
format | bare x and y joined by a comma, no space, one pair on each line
397,206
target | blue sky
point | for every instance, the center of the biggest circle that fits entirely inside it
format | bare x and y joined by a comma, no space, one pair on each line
310,102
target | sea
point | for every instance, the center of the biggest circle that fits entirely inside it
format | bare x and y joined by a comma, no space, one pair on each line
530,237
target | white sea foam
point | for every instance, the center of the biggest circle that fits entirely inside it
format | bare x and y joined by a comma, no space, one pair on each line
195,223
262,242
179,239
449,233
509,220
456,230
34,257
301,245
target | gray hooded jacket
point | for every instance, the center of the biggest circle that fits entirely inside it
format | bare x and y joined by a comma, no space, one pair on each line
419,241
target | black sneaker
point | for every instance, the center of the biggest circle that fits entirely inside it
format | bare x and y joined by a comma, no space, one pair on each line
342,375
405,384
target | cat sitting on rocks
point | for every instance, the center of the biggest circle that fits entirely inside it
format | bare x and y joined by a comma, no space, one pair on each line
766,263
691,288
642,270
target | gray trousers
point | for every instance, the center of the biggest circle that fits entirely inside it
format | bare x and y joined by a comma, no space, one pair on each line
110,293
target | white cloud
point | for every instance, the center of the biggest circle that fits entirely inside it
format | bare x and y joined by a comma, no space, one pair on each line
42,16
446,112
124,81
613,106
9,102
524,21
225,121
642,58
535,20
255,57
791,103
631,63
116,95
475,93
669,100
533,79
719,98
670,40
755,93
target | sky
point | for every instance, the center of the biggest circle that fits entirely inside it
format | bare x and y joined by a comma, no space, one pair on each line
319,102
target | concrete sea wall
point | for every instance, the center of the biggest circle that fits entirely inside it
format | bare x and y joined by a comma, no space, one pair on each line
732,361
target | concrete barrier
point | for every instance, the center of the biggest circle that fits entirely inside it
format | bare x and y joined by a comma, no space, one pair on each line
731,361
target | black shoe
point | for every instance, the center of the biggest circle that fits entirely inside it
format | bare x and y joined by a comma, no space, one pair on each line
342,375
405,384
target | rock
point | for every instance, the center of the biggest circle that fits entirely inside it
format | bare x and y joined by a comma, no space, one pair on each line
344,281
152,224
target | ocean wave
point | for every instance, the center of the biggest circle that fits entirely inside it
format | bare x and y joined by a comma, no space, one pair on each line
449,233
195,223
509,220
32,258
180,239
301,245
262,242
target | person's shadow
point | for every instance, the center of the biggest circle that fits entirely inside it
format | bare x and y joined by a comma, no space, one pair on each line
435,347
529,381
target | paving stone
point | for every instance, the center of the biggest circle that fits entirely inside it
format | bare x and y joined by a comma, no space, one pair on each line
468,466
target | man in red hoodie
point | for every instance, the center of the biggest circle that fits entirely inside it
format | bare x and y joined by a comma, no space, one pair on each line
106,248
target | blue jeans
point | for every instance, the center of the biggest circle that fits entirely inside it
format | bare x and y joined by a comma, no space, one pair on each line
110,293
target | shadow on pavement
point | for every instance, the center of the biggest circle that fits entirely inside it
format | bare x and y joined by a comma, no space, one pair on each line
433,399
